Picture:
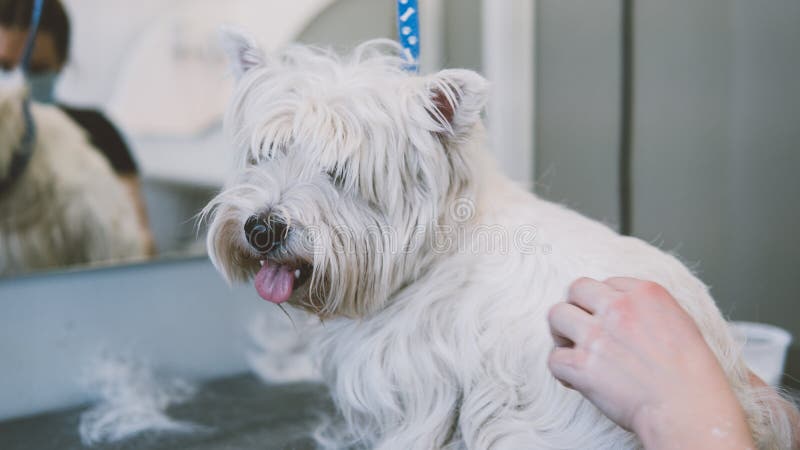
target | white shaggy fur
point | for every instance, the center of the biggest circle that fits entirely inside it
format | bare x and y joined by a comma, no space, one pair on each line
432,272
68,207
280,352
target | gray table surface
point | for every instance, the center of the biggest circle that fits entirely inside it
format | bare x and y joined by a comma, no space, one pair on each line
239,413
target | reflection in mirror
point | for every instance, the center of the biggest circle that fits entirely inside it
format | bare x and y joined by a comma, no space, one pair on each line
69,193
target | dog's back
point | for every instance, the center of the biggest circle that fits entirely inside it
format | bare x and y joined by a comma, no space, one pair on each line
471,337
67,206
569,246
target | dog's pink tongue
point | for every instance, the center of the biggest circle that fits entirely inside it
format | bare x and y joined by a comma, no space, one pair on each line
274,283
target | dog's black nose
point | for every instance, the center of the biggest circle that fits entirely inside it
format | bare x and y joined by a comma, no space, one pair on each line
265,232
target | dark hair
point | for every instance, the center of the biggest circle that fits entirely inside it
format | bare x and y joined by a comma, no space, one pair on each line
17,14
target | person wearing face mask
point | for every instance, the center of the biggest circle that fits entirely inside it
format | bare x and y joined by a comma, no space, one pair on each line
50,54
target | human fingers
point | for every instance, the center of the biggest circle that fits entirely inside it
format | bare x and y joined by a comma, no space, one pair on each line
566,366
624,284
642,289
590,294
569,322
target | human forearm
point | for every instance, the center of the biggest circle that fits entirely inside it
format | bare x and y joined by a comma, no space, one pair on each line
707,423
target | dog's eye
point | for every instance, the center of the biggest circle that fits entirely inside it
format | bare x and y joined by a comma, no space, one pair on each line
268,150
336,178
265,152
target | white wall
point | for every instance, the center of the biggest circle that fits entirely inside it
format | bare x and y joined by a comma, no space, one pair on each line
508,43
92,71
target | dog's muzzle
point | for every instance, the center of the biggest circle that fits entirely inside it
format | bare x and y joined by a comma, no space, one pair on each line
265,232
278,276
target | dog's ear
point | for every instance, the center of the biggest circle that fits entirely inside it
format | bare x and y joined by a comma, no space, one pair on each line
242,49
457,98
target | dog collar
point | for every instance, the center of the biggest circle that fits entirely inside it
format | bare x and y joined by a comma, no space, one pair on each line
22,154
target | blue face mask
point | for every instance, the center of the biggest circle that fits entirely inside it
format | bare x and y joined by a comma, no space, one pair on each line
43,86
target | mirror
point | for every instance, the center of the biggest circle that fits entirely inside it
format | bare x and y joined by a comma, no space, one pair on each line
129,99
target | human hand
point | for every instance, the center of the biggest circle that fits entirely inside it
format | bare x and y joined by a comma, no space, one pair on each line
629,347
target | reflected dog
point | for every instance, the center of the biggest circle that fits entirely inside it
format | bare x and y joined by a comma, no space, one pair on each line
67,206
365,195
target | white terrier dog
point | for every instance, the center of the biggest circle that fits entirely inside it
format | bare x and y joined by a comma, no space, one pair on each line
67,206
366,197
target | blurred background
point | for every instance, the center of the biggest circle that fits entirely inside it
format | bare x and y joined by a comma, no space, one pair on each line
675,121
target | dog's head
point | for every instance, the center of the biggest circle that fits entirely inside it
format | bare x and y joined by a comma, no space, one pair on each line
347,169
12,121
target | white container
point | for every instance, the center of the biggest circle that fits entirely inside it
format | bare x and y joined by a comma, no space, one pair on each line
764,349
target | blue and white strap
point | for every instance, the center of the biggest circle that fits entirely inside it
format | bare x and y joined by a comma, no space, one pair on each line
30,40
408,31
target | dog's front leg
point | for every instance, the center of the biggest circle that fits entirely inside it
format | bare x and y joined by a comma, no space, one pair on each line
437,434
395,389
